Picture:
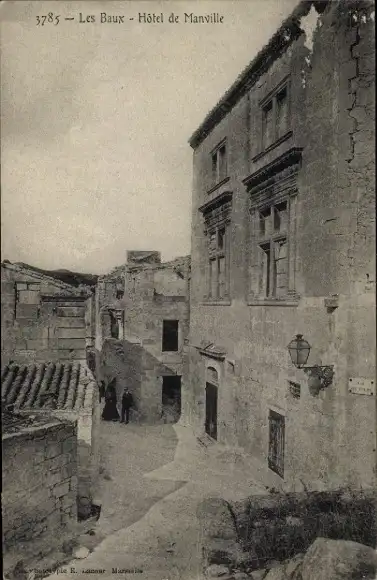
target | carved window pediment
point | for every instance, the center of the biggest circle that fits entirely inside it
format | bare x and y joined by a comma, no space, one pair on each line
278,176
217,212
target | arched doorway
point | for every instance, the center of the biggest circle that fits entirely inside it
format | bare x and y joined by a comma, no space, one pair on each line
212,383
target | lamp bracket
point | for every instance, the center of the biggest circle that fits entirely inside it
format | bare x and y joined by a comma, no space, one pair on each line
325,374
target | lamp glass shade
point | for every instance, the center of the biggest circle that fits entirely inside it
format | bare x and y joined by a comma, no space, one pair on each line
299,350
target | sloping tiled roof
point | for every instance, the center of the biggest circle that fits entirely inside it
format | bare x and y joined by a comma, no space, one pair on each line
64,386
58,281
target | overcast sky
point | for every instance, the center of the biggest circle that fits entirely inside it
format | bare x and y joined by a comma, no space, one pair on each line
96,119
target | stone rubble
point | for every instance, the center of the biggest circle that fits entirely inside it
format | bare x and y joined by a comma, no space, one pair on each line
81,553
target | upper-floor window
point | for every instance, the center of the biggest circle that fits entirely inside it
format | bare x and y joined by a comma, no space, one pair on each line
217,220
273,244
272,254
170,340
275,116
218,263
119,294
219,163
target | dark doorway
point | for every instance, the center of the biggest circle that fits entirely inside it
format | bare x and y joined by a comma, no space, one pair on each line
171,398
211,410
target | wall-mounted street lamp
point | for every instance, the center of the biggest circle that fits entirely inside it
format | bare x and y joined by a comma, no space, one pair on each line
320,377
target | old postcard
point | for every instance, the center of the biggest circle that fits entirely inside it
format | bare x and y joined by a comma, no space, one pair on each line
188,289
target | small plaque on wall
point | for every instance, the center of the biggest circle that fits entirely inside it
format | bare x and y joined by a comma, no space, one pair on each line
359,386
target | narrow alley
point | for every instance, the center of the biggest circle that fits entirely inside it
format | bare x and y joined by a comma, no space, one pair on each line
127,453
152,481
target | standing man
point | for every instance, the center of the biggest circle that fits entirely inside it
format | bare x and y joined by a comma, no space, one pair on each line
102,390
127,403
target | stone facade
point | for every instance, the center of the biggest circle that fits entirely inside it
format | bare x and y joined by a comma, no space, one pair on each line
39,481
133,304
283,243
42,318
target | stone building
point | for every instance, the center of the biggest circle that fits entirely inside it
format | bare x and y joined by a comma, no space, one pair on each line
42,317
143,315
67,392
283,244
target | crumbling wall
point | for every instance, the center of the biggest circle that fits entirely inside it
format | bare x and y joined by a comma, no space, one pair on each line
39,482
154,292
55,325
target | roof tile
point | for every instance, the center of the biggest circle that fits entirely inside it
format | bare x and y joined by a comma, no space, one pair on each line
64,386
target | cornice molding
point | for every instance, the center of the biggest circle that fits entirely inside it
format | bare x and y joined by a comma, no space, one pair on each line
289,159
218,201
217,355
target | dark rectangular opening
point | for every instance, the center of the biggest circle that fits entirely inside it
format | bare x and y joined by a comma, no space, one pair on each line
171,398
222,163
170,335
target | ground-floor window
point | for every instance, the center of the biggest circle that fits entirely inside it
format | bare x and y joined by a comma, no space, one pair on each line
276,442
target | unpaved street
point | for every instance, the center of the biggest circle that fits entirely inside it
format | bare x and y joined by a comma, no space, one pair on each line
153,481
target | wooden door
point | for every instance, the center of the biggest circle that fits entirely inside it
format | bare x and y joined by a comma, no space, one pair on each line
276,443
211,410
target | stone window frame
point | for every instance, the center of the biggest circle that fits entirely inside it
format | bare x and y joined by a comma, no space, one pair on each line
20,287
218,176
271,101
274,184
268,288
217,217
